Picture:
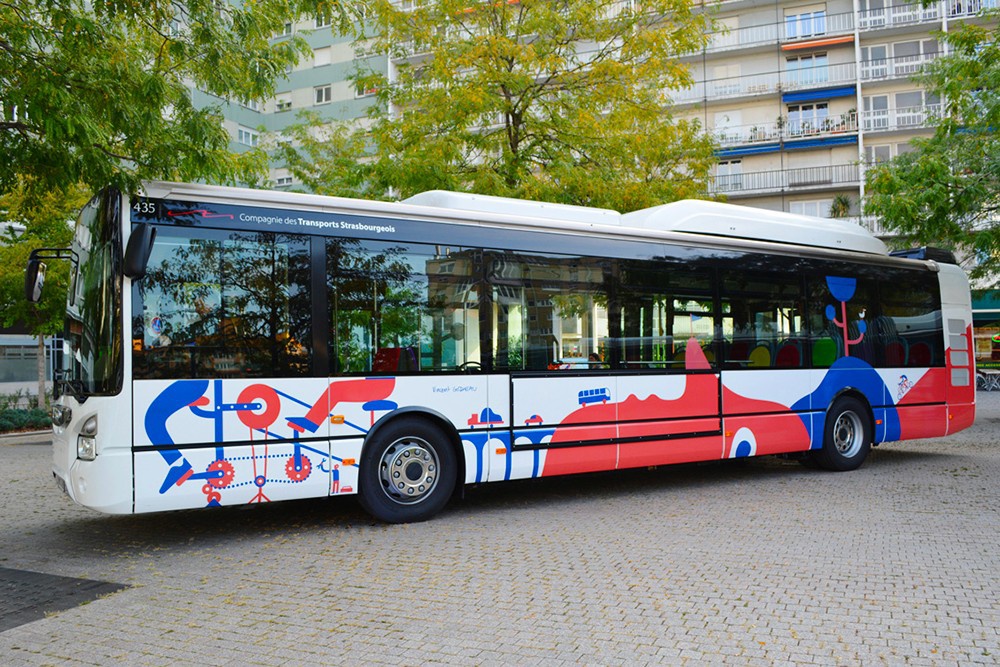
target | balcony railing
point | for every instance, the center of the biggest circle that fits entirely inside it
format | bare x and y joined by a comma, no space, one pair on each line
764,84
968,8
759,182
818,26
769,33
897,15
760,133
739,38
903,118
891,68
870,222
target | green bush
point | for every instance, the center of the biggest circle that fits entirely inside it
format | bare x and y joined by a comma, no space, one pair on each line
24,420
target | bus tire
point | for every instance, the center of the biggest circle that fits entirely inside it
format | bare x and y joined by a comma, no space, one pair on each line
847,436
408,472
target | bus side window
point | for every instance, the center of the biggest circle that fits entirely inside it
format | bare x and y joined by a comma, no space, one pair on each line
549,312
402,308
219,303
763,320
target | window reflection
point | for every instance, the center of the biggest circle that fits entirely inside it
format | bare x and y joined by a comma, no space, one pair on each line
549,312
399,308
224,305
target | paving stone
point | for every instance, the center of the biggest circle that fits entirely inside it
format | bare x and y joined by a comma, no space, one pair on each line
764,563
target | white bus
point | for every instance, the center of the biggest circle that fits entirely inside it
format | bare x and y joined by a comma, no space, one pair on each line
229,346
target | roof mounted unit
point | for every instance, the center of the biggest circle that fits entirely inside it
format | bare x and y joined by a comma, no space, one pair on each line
939,255
716,219
464,201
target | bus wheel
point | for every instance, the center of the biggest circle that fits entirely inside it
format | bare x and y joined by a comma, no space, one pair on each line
407,473
847,436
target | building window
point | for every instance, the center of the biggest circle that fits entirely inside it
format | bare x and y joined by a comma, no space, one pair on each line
808,70
910,57
321,57
806,24
247,137
324,20
876,116
874,63
283,181
805,119
878,154
729,175
287,29
323,94
915,108
818,208
283,102
362,89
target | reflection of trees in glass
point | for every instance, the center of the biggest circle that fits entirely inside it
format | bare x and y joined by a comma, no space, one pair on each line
391,296
240,303
92,334
375,302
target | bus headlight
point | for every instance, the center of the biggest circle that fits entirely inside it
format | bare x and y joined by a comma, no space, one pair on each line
86,442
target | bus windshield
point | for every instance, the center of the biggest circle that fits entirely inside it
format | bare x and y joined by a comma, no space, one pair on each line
92,339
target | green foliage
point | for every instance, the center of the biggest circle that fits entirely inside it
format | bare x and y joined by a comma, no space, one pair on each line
46,218
946,191
563,101
24,420
99,92
840,207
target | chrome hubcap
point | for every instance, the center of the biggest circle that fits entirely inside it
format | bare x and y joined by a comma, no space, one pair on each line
408,470
848,434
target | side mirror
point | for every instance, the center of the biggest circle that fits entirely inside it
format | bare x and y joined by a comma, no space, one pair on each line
34,280
140,245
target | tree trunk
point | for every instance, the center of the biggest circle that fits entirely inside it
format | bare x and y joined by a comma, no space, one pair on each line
41,371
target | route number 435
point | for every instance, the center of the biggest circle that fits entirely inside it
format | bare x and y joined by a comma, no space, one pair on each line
144,206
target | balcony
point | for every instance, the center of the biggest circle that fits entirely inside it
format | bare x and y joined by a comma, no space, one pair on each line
819,27
785,180
903,118
898,15
960,9
770,33
819,77
872,223
892,68
766,84
741,38
775,131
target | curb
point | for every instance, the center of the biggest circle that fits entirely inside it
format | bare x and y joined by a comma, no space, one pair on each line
26,438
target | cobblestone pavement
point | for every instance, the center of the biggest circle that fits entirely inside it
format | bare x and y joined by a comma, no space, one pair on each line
764,563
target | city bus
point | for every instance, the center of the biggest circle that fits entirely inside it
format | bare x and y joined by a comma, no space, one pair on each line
227,346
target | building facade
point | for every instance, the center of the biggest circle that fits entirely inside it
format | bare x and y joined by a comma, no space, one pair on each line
801,96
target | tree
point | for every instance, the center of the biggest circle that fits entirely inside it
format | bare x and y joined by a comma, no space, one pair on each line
46,222
94,94
559,100
100,92
947,190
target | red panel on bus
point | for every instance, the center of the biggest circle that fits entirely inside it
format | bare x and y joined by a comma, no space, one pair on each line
589,458
930,388
765,434
961,416
663,452
923,421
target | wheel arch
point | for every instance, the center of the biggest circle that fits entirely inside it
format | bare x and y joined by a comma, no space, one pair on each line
434,418
853,392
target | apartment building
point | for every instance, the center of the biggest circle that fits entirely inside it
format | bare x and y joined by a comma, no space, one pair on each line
800,95
803,95
319,83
